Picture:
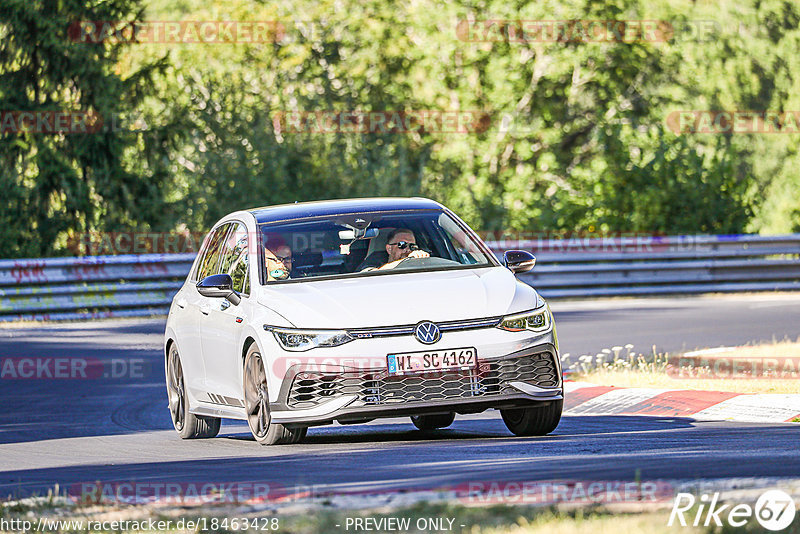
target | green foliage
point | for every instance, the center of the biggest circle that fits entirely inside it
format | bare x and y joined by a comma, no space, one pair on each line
577,140
670,185
58,184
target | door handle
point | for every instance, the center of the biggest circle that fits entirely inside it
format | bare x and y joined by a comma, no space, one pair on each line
205,309
181,303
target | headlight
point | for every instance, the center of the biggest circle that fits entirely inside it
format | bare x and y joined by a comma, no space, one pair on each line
537,320
299,340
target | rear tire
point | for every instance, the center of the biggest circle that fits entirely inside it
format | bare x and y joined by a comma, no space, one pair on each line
188,425
256,402
433,422
537,421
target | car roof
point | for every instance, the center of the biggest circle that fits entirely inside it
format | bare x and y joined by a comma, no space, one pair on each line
322,208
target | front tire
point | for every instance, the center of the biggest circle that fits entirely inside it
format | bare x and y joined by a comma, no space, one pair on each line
433,422
537,421
187,425
256,402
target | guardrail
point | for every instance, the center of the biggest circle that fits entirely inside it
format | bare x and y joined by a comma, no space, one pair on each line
136,285
90,287
662,265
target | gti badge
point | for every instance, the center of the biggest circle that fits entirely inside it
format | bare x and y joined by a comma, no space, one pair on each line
427,332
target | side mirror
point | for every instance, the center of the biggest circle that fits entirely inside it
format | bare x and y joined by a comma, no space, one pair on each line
219,286
519,261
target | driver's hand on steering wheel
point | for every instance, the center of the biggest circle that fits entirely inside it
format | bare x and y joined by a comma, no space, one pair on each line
417,255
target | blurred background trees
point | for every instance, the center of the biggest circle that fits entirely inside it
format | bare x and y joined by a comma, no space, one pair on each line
577,141
56,185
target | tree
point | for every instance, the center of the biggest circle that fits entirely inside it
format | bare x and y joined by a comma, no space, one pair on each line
61,183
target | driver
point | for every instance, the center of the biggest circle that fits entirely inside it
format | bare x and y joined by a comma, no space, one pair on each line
277,259
400,245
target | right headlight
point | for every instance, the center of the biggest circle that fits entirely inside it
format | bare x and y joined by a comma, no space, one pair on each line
298,340
538,320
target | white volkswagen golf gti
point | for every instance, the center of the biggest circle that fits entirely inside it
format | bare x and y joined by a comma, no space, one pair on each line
350,310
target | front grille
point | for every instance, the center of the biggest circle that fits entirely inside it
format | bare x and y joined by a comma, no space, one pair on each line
537,369
373,388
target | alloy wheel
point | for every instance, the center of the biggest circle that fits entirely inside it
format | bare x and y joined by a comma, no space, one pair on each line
256,397
177,392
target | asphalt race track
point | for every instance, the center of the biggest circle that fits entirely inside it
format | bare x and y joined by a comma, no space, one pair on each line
118,429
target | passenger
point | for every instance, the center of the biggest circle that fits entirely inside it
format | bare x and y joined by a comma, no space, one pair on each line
277,260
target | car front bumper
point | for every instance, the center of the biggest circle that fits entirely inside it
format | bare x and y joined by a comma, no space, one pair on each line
317,396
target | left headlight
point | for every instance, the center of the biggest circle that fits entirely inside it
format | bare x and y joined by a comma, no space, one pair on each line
538,320
299,340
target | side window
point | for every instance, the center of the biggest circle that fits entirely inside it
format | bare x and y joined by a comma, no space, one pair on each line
210,261
234,259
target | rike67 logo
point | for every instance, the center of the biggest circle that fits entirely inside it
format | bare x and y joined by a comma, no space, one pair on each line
774,510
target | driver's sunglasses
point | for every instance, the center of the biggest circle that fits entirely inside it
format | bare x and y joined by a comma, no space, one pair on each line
284,259
402,245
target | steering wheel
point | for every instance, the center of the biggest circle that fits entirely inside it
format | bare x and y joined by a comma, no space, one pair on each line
421,263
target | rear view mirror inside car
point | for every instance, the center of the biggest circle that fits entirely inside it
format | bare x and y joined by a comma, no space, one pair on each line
352,234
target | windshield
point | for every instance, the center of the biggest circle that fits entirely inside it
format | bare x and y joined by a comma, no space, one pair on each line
367,244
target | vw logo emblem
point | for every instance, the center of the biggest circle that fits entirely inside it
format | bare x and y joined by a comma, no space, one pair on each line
427,332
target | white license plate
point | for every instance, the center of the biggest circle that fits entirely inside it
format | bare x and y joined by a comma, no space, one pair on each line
432,360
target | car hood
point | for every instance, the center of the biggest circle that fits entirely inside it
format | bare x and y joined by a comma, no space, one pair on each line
399,299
